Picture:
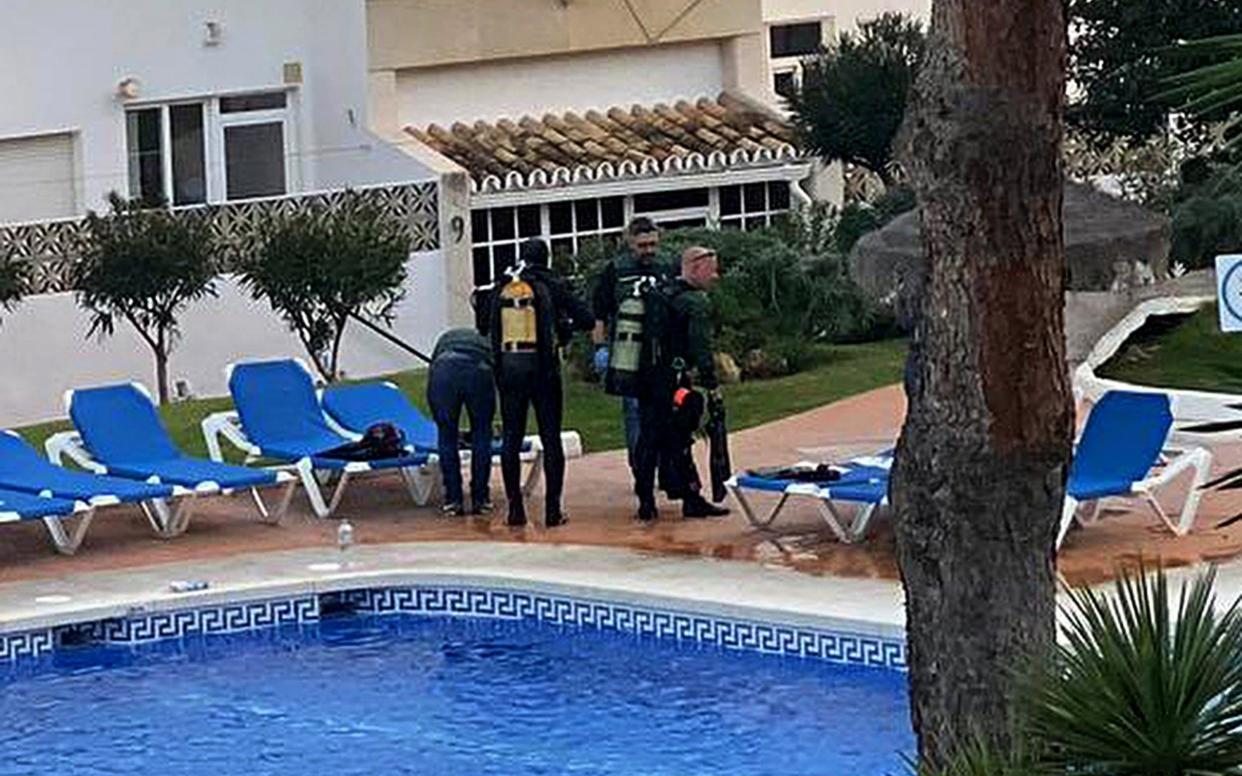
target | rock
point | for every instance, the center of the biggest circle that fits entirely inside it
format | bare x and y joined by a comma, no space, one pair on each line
727,370
761,364
1110,244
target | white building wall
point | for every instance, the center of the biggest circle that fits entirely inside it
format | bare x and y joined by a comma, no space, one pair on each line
578,82
61,61
845,13
44,349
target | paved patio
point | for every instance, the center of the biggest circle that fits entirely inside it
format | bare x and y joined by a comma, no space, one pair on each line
600,506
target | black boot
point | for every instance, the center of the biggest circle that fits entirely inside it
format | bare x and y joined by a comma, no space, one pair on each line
552,521
647,512
695,505
517,516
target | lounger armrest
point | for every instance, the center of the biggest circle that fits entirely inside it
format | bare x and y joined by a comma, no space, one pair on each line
227,425
571,441
68,444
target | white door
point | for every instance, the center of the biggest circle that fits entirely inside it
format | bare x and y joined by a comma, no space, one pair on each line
36,178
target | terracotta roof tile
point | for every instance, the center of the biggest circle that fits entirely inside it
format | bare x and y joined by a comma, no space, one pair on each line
694,132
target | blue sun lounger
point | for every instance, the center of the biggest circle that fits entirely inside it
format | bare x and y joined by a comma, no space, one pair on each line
119,432
22,469
16,506
352,408
278,417
861,481
1121,454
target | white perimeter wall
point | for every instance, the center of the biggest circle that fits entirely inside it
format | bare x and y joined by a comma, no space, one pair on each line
61,60
577,82
44,350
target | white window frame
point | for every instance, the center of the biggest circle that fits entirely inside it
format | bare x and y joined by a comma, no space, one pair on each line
214,124
767,213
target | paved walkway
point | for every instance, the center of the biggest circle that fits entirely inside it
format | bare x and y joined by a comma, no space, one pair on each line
600,507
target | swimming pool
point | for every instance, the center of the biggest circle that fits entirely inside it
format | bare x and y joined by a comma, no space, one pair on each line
359,693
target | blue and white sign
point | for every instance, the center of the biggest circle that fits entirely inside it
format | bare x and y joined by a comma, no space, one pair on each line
1229,291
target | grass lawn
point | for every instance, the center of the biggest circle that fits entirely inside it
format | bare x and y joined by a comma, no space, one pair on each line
1180,352
843,370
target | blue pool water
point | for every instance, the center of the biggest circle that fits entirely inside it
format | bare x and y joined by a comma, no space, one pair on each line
429,696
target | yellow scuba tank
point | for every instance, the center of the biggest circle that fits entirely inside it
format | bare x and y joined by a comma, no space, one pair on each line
518,325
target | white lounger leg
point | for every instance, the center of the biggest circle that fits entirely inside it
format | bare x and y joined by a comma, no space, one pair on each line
68,541
850,531
282,505
420,482
310,483
533,474
749,510
168,521
1198,459
1067,516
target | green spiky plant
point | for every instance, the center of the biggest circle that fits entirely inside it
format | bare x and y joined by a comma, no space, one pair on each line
1138,688
1211,91
975,756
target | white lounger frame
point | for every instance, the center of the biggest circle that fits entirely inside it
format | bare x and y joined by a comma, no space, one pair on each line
1198,459
69,444
66,540
571,442
847,530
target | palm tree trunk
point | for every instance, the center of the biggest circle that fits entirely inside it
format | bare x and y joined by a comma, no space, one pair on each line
981,463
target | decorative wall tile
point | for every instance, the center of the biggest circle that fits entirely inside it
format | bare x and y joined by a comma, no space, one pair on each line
52,247
29,644
226,618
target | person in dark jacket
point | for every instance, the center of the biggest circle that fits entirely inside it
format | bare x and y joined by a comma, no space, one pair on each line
531,319
641,260
461,377
686,355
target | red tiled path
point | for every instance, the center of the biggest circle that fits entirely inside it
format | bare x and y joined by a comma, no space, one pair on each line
600,507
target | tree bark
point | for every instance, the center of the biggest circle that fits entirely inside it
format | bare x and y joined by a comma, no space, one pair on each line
161,374
980,467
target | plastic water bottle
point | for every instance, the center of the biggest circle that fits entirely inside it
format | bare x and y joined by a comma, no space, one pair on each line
344,536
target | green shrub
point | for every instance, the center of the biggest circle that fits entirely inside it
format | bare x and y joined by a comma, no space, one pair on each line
14,279
143,265
1205,226
320,267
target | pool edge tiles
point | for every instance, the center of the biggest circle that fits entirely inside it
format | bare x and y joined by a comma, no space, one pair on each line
662,621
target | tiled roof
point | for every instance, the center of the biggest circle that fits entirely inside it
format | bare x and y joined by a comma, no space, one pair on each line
559,150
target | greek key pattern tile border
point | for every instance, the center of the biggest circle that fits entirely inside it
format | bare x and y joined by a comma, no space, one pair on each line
225,618
32,645
52,247
728,633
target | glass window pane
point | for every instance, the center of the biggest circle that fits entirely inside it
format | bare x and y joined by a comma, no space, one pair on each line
730,200
670,200
684,223
756,197
784,83
587,211
240,103
503,257
563,247
478,226
612,212
758,222
482,260
502,223
561,218
188,159
254,160
731,223
529,222
146,166
795,40
778,195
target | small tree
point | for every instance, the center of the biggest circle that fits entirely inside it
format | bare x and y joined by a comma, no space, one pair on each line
322,266
144,266
853,96
13,281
